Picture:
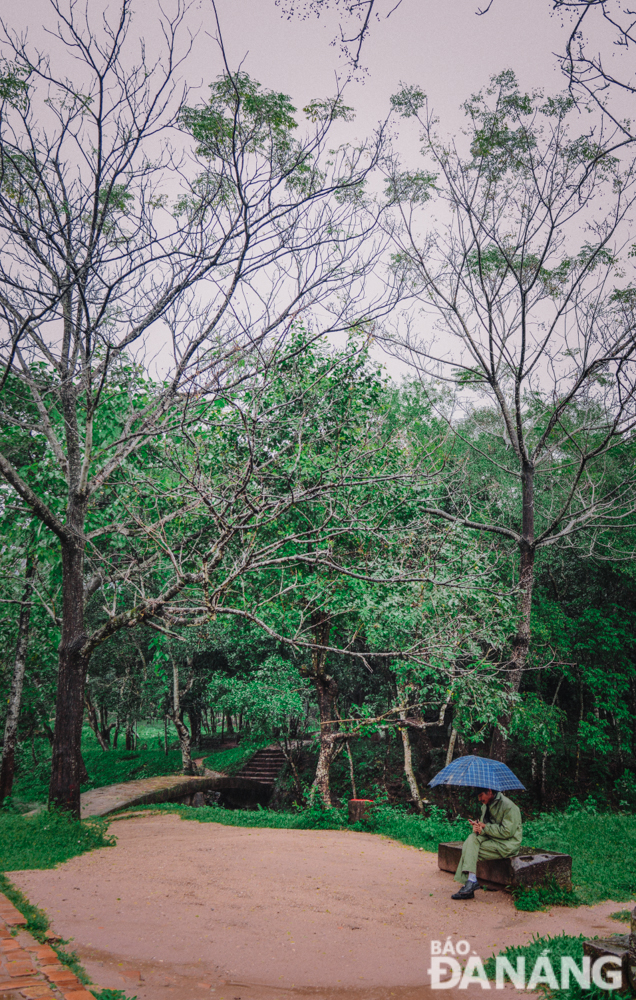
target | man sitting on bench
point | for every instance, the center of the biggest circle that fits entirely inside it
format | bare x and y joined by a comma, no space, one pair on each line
496,835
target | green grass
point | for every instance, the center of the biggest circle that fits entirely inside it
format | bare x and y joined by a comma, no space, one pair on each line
231,760
46,839
557,946
105,767
386,821
541,897
603,849
624,915
109,767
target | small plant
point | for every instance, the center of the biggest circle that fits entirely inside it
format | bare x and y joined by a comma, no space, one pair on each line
37,920
541,897
562,945
624,915
625,788
71,960
111,995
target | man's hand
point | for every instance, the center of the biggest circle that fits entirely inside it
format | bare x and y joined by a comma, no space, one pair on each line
477,825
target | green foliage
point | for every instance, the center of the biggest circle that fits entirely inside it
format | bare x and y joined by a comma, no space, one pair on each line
47,838
37,920
623,915
625,788
104,768
602,845
111,995
240,113
542,897
560,945
232,760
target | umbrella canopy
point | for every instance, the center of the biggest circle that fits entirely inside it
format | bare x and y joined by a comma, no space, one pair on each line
478,772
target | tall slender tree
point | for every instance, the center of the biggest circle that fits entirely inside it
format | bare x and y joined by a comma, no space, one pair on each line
523,310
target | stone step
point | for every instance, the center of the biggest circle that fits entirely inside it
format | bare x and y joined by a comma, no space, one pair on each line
264,766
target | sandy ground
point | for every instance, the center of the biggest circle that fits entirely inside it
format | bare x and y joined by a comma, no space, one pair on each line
186,910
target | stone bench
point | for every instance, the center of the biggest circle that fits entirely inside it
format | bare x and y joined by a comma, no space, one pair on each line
529,867
622,946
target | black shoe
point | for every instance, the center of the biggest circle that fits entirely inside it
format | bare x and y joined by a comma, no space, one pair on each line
466,892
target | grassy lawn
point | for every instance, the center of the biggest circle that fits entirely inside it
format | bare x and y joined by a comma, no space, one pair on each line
603,849
113,766
554,947
46,839
231,760
104,768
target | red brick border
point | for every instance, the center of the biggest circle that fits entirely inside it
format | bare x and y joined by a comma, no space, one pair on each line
32,969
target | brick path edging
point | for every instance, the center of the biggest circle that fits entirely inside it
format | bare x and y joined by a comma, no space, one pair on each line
32,969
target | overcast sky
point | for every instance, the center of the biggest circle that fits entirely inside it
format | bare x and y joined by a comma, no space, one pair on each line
440,44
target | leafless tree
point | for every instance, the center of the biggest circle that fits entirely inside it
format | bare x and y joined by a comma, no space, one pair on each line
126,214
521,307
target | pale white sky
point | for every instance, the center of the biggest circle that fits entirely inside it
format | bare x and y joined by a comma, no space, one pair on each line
440,44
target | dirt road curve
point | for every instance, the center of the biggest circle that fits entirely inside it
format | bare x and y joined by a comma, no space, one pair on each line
189,911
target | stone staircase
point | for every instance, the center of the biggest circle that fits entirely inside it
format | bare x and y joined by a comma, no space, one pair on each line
264,766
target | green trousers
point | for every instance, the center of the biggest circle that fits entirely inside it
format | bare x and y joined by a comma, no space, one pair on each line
477,848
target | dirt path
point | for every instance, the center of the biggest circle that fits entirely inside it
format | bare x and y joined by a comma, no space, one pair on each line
186,909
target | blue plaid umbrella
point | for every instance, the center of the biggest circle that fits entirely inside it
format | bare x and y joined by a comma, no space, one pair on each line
478,772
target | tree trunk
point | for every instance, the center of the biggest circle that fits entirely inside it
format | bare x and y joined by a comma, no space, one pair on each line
83,773
521,641
451,746
195,726
130,735
185,744
64,789
408,766
354,794
15,696
182,731
230,724
104,726
327,690
92,720
165,734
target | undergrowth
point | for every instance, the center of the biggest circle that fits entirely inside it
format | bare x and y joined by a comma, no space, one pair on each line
556,947
47,838
603,849
232,759
542,897
104,768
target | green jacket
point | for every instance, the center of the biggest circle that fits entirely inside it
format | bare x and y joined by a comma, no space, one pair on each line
505,825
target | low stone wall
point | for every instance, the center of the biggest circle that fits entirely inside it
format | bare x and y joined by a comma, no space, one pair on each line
171,788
